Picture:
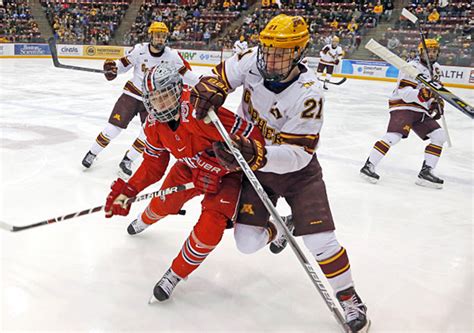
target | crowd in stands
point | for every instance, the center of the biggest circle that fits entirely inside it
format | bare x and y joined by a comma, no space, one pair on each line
346,19
450,23
17,25
192,25
84,22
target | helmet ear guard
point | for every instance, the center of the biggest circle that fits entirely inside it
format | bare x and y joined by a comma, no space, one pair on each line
162,89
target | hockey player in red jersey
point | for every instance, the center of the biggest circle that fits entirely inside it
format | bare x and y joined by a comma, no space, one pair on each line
171,129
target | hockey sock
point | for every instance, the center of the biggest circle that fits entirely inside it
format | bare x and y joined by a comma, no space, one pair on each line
250,239
103,139
434,149
191,256
149,216
328,77
137,147
382,147
432,154
332,258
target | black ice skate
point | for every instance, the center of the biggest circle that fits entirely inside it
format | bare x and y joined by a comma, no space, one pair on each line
280,243
428,179
165,287
137,226
126,166
355,312
368,172
88,159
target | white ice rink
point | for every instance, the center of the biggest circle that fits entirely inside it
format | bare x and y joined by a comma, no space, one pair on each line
411,248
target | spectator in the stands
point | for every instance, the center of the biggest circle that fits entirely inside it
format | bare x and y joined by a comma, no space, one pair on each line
434,16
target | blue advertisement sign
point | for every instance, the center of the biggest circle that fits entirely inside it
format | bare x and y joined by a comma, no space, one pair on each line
369,68
32,49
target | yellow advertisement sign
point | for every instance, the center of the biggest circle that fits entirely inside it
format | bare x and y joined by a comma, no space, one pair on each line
103,51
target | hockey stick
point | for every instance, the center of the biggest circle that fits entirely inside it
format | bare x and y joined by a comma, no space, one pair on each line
408,15
54,56
160,193
276,216
381,51
337,83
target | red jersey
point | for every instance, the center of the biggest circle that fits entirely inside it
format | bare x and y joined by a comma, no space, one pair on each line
184,141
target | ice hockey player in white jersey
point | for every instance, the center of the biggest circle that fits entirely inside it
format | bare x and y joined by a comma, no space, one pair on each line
284,99
412,106
331,55
240,45
141,58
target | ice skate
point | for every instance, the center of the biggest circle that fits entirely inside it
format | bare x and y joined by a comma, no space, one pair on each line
165,287
137,226
368,172
125,167
280,243
426,178
88,159
355,312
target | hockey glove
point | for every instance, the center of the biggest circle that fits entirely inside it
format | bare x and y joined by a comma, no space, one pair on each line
110,69
425,94
436,109
209,91
336,62
252,150
115,203
207,176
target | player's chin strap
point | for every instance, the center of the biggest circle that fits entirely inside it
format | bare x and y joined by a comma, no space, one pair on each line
212,117
162,194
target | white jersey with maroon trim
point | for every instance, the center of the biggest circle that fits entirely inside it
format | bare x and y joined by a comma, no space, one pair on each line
290,121
141,59
330,54
405,95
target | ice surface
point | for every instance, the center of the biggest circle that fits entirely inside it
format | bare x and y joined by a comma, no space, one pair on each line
410,247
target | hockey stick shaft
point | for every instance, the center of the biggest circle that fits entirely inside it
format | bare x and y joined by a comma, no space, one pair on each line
54,56
415,21
337,83
435,86
276,216
160,193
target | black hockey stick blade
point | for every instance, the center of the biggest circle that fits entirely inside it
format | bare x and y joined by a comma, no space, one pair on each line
54,56
337,83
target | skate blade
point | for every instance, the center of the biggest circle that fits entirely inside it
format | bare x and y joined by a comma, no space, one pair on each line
366,328
425,183
369,179
153,300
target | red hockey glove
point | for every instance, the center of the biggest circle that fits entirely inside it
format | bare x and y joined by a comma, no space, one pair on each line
252,150
436,109
425,94
209,91
110,69
207,176
115,203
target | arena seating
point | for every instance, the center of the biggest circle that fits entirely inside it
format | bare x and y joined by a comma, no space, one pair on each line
17,24
84,21
453,30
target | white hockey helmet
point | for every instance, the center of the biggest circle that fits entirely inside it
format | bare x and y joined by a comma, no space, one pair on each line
162,89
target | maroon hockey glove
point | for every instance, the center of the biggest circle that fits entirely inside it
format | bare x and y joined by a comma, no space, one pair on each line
110,69
336,62
209,91
437,109
207,176
252,150
425,94
115,203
